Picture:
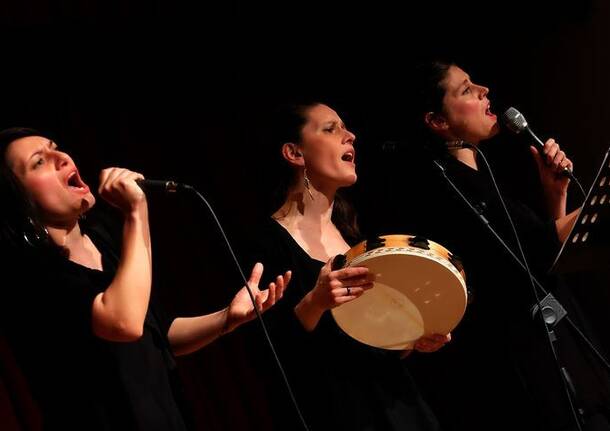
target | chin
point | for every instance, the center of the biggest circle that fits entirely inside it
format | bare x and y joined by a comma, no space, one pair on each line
349,181
87,203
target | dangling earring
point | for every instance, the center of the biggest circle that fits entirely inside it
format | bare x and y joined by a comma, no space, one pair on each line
36,236
307,183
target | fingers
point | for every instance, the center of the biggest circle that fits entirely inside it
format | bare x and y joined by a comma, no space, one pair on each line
118,187
431,343
255,275
287,278
345,273
274,292
350,283
261,302
347,294
110,177
281,283
554,157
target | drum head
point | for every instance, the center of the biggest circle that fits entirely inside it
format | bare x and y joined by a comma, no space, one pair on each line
414,294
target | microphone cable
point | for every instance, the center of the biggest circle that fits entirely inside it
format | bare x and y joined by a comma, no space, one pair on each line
259,317
581,188
605,363
562,372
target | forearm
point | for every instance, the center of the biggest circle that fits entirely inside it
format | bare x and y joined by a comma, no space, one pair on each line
564,224
308,314
556,204
119,311
188,334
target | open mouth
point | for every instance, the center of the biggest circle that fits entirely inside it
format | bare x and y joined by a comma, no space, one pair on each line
349,156
488,110
74,181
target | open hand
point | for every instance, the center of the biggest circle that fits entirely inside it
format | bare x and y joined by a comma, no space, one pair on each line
241,309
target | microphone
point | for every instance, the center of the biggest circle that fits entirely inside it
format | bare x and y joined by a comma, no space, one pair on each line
161,185
516,123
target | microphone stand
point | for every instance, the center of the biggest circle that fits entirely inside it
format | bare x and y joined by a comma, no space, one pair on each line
551,336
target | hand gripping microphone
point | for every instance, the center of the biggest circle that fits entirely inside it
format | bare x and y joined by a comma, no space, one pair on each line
516,123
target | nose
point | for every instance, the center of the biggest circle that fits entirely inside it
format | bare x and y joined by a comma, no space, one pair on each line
350,136
61,159
483,91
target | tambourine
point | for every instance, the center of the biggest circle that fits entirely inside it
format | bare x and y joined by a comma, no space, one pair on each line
419,290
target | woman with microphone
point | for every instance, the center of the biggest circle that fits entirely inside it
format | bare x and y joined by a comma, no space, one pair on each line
97,353
500,372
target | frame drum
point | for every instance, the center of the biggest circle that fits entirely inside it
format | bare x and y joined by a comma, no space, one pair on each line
419,290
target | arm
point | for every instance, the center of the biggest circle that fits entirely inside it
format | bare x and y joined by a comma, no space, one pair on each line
550,166
118,313
188,334
564,224
551,162
332,289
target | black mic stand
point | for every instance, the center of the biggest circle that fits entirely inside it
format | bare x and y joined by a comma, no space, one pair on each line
550,316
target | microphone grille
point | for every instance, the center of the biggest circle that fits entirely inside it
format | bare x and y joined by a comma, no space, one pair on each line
514,120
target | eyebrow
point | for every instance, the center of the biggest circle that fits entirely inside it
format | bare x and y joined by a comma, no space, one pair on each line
337,122
49,143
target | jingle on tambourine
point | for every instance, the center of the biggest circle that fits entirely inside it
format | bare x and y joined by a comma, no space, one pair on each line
419,290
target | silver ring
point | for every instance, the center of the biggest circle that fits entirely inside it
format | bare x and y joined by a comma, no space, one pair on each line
348,291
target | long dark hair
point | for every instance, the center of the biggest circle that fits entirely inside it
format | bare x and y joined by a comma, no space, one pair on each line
288,124
429,94
20,223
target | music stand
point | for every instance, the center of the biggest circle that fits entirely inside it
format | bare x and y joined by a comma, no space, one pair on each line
588,244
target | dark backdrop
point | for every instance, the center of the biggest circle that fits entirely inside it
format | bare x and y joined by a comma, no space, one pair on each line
183,92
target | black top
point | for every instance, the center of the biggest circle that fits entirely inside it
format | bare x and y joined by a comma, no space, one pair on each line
498,372
79,380
339,383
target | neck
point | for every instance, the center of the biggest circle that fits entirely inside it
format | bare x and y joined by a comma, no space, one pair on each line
68,237
313,207
468,156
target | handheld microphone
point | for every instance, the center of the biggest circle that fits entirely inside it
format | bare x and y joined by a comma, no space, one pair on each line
161,185
516,123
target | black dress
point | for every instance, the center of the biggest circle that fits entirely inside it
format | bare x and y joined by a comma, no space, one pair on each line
79,380
498,372
339,383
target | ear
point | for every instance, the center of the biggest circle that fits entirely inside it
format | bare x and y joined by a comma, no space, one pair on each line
293,154
436,122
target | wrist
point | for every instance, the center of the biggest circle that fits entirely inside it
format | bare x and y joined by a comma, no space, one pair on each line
308,313
309,304
137,212
227,322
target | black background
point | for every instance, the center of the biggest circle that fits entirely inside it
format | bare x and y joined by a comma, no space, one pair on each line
183,92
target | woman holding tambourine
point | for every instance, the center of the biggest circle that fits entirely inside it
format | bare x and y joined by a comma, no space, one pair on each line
339,382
